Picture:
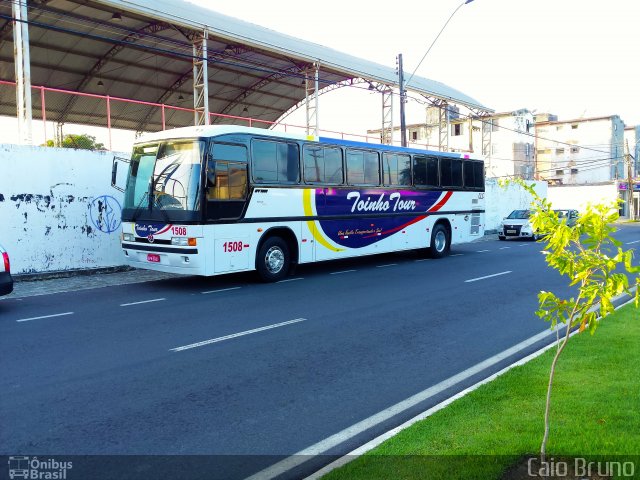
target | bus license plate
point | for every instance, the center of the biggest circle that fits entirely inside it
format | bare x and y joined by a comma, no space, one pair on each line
152,257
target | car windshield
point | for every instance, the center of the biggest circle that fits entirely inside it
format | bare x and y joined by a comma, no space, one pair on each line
164,181
562,213
519,215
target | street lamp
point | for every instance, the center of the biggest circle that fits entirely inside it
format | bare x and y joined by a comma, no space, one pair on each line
403,84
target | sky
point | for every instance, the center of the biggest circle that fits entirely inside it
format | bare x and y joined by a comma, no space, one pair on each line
573,58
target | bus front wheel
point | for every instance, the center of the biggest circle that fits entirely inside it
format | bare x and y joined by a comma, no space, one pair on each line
273,260
440,241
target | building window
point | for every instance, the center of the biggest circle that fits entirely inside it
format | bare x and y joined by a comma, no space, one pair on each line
559,151
456,130
574,126
559,172
574,171
544,151
414,135
575,149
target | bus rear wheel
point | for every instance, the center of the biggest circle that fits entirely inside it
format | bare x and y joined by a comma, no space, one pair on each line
440,241
273,260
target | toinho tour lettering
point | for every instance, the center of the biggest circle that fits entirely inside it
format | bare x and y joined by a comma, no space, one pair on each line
394,203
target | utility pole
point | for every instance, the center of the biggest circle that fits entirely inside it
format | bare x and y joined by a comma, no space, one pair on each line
403,99
629,183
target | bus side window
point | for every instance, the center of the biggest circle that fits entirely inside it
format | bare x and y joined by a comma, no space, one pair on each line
473,175
363,167
322,164
275,162
451,172
425,171
396,169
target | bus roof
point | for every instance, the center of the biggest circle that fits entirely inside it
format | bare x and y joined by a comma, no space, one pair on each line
214,131
217,130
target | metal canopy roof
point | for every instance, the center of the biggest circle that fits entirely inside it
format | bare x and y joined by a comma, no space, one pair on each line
143,50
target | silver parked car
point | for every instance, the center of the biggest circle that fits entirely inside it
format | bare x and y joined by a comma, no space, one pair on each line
6,281
570,216
517,225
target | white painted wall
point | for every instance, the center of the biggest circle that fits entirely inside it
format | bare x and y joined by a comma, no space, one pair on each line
500,202
57,209
578,196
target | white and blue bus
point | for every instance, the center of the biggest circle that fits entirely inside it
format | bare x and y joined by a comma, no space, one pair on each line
219,199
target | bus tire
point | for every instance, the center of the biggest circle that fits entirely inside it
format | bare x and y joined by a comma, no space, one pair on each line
440,241
273,260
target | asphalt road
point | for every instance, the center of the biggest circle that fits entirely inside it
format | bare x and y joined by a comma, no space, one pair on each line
249,373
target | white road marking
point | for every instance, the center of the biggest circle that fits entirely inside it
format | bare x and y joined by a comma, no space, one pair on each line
220,290
385,436
482,251
343,271
504,248
387,265
459,254
422,260
291,280
45,316
635,241
487,276
235,335
143,301
524,244
350,432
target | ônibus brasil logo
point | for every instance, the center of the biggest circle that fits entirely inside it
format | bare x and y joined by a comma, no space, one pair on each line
37,469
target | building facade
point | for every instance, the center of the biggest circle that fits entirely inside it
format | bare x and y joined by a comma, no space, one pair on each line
505,141
580,151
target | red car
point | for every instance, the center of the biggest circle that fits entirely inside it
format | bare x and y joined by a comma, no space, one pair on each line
6,282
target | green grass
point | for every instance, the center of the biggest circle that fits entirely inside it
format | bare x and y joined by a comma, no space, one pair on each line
595,412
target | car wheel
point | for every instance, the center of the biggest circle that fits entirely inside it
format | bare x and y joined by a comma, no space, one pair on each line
440,241
501,237
273,260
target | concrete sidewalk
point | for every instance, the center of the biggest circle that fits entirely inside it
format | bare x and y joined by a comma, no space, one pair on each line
31,285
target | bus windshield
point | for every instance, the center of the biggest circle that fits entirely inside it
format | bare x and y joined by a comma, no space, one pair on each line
164,181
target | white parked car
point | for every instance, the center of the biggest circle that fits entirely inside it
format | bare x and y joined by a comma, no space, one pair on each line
517,225
6,282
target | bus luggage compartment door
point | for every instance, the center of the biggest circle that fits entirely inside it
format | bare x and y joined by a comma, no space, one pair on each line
231,254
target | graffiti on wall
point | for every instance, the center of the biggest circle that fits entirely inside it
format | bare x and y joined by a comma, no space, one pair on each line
105,212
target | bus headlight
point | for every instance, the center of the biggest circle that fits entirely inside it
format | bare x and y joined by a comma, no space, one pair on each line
128,237
184,241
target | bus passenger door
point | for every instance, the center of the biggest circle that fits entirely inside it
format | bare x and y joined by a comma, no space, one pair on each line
226,197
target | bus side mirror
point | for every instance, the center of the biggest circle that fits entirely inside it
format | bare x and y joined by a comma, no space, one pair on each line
118,181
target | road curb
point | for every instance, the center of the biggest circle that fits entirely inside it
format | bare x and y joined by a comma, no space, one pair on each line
619,301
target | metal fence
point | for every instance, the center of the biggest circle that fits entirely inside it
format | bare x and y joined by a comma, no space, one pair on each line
113,116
